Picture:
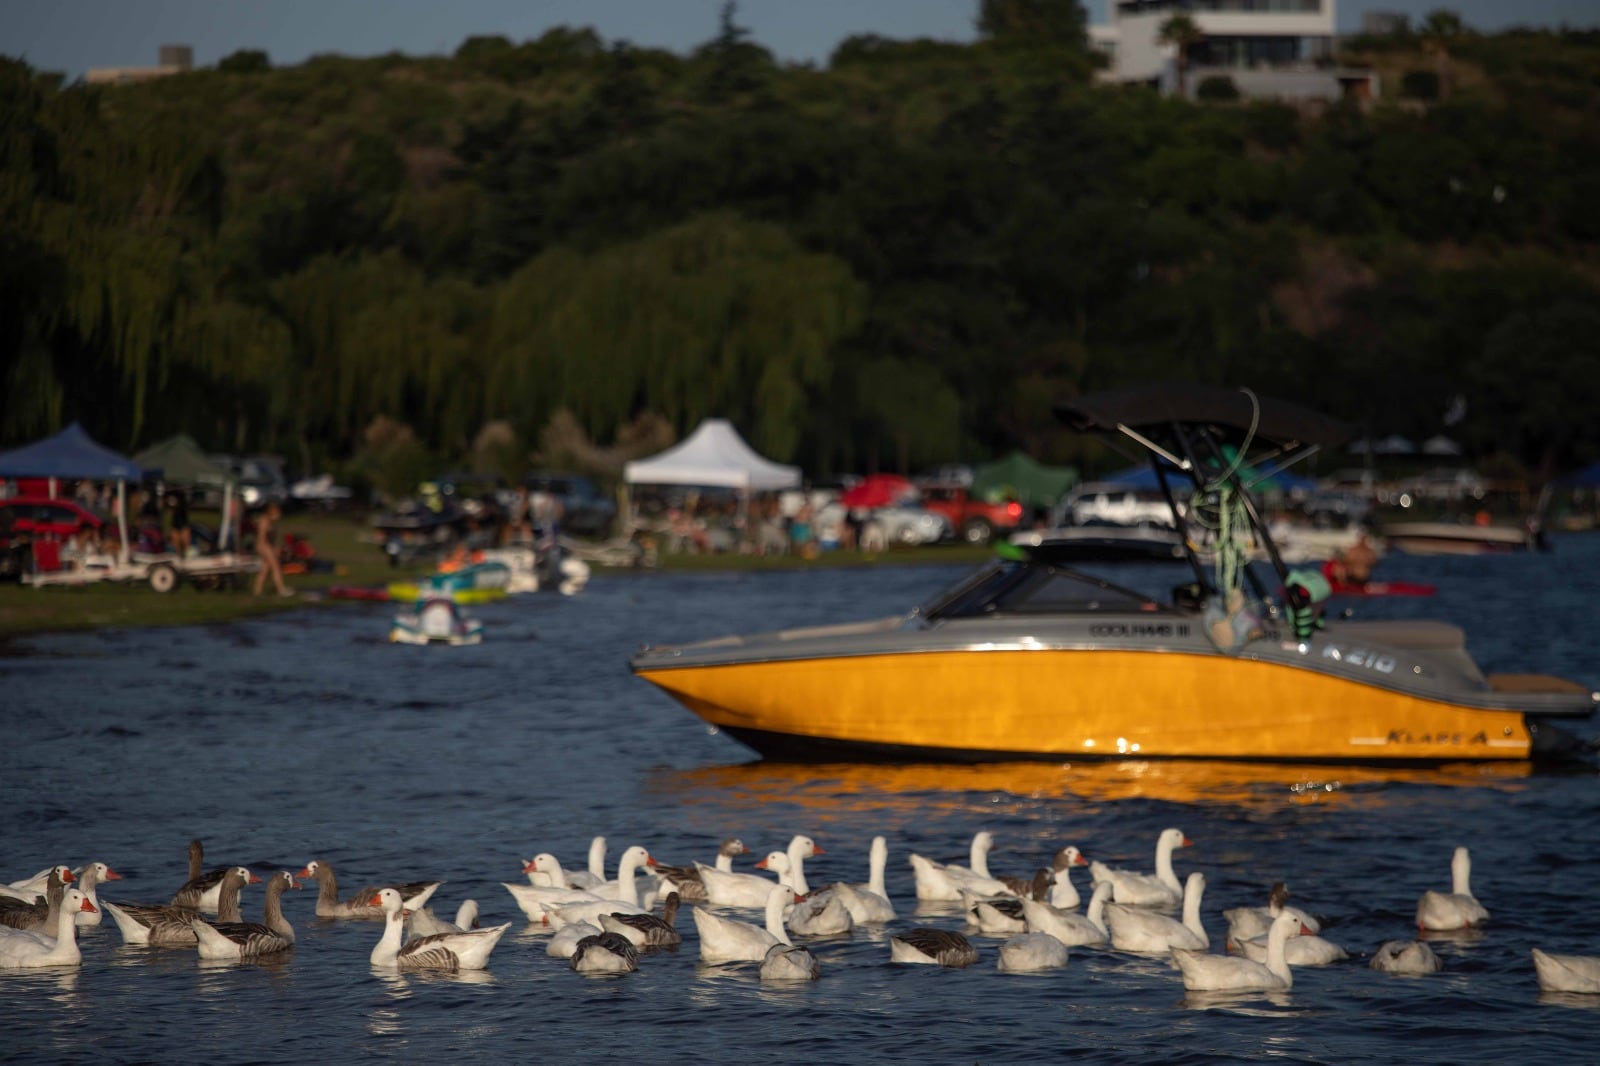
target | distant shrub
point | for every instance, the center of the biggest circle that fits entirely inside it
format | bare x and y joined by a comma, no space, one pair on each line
1216,88
245,61
1420,85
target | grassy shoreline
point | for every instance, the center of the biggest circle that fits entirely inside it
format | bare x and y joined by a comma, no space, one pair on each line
28,611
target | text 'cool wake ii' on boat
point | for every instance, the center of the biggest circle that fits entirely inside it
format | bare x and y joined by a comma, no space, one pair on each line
1033,658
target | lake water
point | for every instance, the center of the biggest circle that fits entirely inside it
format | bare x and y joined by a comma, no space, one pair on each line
307,735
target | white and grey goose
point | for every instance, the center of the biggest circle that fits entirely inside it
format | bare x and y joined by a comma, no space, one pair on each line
90,877
203,890
1003,915
1247,923
28,949
32,889
163,925
234,941
686,880
932,947
1031,952
1131,887
605,952
1410,958
425,923
414,893
1227,973
1069,927
41,912
1063,893
647,930
467,950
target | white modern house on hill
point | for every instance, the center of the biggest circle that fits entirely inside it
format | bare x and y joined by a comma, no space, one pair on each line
1269,48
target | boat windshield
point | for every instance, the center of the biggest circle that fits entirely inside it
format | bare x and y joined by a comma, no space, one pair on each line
1029,588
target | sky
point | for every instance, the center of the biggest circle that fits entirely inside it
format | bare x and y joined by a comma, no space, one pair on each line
74,35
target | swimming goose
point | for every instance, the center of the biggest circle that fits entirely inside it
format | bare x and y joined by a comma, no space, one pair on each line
626,900
825,913
869,903
735,889
730,940
536,901
1151,932
685,880
1031,952
249,940
788,962
163,925
1072,929
1249,923
425,923
32,889
1063,893
1456,909
932,947
21,949
566,939
1227,973
941,881
605,953
646,930
203,890
413,893
595,875
39,914
1000,915
1307,949
1567,973
1411,957
453,952
89,878
1162,889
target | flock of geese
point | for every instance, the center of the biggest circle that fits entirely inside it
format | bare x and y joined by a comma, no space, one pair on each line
604,925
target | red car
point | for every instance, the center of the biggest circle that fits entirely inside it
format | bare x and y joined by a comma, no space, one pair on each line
25,519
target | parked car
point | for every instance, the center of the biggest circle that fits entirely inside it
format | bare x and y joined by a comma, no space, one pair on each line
1114,504
260,479
905,525
585,510
975,520
25,519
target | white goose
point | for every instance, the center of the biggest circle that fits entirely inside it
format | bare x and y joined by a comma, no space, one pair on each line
741,889
1567,973
1150,932
1031,952
425,923
1456,909
566,939
1248,923
26,950
93,874
605,953
595,876
686,881
932,947
730,940
1073,930
869,903
1410,957
625,902
359,905
249,940
1307,949
941,881
163,925
536,901
786,962
1063,893
1163,889
453,952
1227,973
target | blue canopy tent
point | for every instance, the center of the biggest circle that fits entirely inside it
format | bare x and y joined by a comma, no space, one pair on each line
72,453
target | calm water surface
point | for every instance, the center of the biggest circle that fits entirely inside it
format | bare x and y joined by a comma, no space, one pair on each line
307,735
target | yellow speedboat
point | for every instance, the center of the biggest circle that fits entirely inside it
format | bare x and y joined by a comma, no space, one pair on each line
1033,658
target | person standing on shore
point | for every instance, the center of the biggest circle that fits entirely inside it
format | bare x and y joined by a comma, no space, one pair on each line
267,551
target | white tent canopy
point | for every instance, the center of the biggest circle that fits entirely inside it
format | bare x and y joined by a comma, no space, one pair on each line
713,456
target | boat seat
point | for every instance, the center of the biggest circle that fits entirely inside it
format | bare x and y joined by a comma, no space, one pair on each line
1533,683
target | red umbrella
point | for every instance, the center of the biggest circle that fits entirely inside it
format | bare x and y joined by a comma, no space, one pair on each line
879,490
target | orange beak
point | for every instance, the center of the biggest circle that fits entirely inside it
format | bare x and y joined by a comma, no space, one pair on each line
761,864
87,906
816,849
375,901
68,878
255,879
305,872
1187,843
112,875
529,866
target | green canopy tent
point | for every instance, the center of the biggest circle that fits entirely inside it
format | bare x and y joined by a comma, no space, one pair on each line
179,461
1018,476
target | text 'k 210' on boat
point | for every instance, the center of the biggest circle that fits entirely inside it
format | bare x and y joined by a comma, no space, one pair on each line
1032,658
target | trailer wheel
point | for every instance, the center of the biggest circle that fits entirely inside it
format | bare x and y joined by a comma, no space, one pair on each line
163,577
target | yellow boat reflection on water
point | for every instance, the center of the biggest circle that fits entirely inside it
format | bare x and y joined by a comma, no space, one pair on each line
842,788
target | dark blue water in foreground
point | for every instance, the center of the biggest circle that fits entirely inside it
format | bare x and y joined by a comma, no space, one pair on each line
307,735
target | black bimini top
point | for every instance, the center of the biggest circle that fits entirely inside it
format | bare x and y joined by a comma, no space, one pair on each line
1148,407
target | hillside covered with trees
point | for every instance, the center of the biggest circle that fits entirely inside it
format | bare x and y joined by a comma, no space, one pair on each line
575,247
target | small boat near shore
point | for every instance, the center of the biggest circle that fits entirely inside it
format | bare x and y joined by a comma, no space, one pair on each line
1033,658
438,621
1457,538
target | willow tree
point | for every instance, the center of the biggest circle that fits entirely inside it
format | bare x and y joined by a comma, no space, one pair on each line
719,316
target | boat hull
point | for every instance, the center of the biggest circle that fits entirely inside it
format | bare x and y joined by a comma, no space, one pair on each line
978,705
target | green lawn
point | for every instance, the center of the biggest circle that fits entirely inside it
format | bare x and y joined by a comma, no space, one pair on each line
25,609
